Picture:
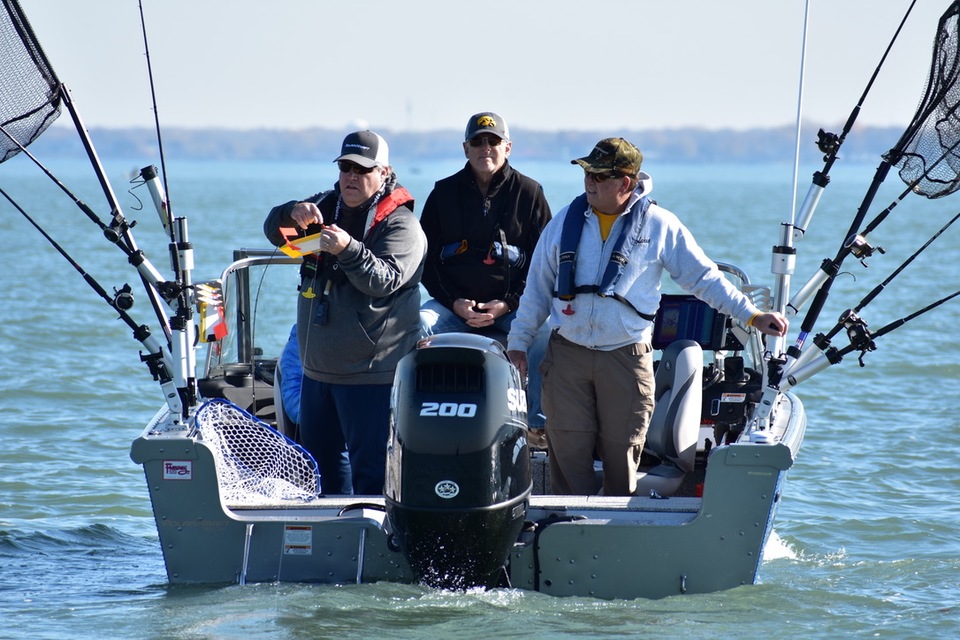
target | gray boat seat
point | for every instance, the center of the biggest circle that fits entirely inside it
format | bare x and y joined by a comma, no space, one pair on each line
675,424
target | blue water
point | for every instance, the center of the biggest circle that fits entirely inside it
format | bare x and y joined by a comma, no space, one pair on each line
867,537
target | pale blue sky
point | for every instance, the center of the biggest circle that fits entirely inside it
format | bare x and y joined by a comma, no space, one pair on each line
551,64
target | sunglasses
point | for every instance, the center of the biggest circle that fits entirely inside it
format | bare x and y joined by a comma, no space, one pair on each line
493,141
603,177
347,167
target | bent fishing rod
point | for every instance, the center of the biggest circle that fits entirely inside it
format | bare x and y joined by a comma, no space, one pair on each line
158,360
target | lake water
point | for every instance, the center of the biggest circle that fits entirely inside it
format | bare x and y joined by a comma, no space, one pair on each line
867,539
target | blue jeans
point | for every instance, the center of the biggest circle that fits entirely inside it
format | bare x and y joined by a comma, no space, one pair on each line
436,318
345,427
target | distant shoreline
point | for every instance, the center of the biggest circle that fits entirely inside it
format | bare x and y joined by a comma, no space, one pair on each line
680,145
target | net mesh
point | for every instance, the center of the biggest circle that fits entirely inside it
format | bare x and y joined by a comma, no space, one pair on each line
929,156
256,465
29,89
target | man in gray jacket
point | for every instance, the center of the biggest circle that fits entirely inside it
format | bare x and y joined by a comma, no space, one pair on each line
595,277
358,310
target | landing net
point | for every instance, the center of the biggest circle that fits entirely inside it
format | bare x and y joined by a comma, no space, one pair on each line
256,465
930,160
29,89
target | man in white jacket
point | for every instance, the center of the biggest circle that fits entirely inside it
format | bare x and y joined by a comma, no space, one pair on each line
595,278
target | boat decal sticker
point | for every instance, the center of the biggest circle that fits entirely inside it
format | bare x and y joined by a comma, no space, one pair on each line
178,470
447,489
297,540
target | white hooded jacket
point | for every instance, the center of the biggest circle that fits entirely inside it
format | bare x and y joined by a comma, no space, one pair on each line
605,323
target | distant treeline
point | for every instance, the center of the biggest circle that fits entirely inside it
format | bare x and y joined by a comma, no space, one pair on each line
682,145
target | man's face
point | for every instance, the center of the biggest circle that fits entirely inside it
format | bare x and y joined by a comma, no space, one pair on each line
607,192
357,188
486,153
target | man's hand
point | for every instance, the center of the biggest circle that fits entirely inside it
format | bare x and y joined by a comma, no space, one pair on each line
772,324
305,214
480,314
519,360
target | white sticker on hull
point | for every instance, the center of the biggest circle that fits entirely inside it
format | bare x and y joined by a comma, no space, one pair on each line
297,540
738,398
178,470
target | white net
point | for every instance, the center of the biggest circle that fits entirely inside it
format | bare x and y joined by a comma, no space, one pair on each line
256,465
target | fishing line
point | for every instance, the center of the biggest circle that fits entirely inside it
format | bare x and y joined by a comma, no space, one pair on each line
253,336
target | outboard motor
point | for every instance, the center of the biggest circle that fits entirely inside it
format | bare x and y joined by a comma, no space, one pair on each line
458,467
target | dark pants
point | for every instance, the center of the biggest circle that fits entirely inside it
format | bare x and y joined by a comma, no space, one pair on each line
345,427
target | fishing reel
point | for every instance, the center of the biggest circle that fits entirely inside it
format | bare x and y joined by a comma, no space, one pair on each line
860,337
861,249
123,298
828,143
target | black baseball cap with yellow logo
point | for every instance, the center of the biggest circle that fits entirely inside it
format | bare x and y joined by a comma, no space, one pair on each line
612,154
486,122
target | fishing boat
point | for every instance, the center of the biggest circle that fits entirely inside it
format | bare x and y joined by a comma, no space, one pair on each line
467,501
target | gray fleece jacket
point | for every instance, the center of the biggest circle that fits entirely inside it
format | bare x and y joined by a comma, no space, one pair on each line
373,306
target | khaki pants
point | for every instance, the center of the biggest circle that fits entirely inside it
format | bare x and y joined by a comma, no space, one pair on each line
596,401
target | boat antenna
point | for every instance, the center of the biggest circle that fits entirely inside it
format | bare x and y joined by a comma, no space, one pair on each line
784,253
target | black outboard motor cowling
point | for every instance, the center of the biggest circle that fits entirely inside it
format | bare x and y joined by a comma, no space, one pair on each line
458,466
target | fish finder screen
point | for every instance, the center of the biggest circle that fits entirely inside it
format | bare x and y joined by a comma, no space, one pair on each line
685,317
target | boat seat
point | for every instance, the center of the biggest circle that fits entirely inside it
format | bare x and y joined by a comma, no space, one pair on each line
675,424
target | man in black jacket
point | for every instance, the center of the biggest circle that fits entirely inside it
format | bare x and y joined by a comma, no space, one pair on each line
482,224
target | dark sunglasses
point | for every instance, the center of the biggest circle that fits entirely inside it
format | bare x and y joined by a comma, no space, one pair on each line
347,167
493,141
603,177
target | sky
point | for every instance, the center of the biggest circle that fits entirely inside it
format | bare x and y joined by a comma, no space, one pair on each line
544,65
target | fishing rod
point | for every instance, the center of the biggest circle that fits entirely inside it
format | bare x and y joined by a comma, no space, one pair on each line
829,144
157,359
861,339
850,320
181,253
149,174
941,85
784,253
37,93
135,256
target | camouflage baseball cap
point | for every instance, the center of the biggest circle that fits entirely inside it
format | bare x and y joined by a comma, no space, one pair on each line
612,154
